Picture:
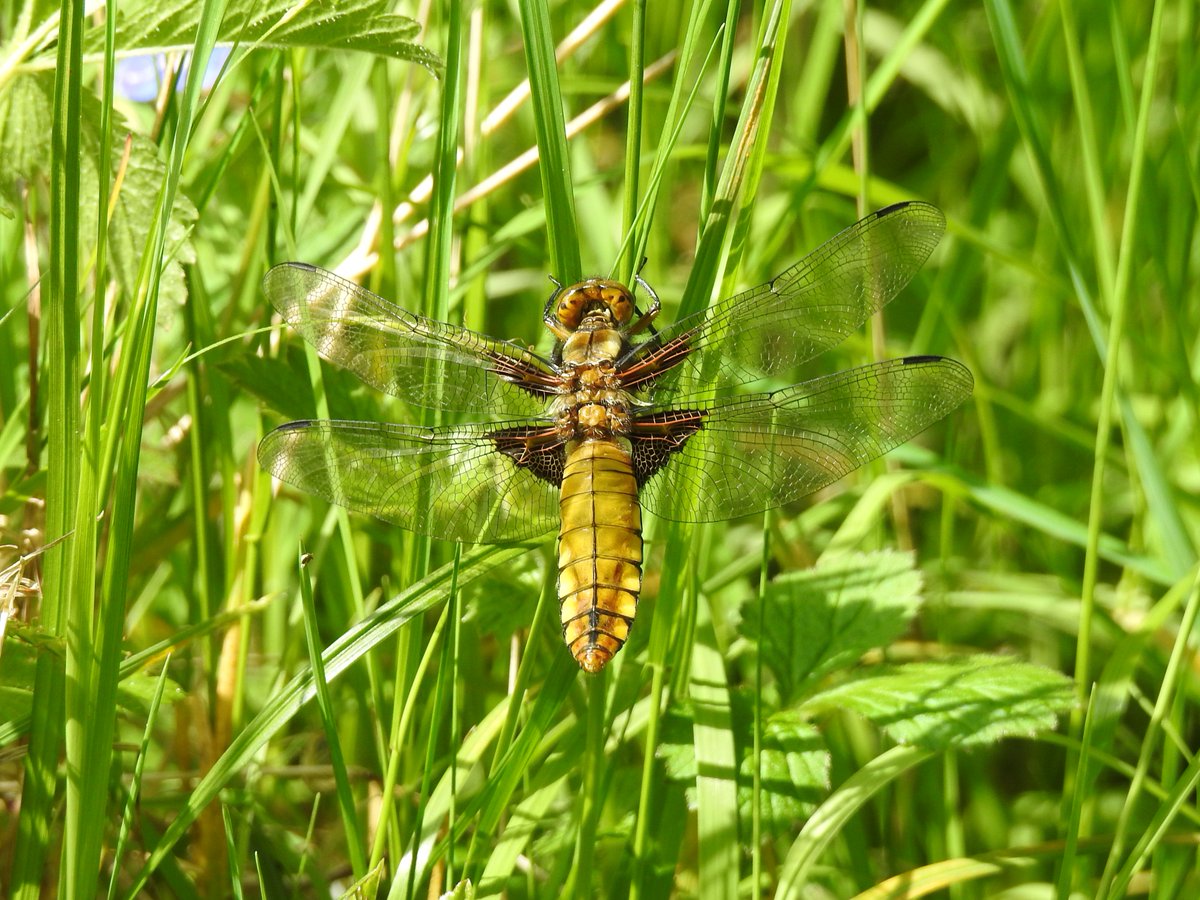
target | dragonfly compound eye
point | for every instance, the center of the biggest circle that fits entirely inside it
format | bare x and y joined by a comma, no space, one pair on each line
571,304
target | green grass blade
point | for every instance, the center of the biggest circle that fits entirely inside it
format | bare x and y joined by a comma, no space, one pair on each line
554,161
285,703
337,760
60,615
823,826
1125,265
719,847
714,233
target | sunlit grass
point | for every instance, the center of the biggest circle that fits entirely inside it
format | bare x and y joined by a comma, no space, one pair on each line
1052,523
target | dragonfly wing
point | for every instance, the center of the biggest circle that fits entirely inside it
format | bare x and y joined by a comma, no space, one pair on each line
470,483
773,328
745,454
425,362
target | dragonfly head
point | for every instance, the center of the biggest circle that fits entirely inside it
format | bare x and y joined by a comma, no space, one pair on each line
590,305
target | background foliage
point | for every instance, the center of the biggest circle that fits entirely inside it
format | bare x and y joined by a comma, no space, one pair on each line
963,671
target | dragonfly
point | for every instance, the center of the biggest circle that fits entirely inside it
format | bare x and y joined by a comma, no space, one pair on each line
619,416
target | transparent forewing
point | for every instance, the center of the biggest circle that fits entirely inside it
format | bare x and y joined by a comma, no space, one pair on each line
450,483
746,454
773,328
427,363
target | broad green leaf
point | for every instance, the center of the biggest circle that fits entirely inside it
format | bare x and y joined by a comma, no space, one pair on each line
795,762
22,647
825,618
795,772
954,702
273,381
25,109
366,25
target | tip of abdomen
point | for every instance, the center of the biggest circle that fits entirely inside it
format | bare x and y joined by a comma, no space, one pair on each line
593,658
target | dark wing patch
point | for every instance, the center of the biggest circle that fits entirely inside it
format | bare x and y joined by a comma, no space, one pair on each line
657,436
536,448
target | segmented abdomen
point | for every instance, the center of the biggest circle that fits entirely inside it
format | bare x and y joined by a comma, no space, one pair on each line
599,550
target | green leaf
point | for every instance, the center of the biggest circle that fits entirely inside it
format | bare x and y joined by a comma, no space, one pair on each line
464,890
365,25
25,109
273,381
25,154
795,772
24,645
795,762
956,702
825,618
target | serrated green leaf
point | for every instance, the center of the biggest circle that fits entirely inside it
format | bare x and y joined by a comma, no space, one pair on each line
825,618
365,25
25,107
795,762
505,601
22,647
956,702
795,771
273,381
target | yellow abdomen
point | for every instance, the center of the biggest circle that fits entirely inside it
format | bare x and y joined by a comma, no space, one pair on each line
599,550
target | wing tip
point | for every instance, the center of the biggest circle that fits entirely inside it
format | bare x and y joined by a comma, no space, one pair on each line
916,205
965,379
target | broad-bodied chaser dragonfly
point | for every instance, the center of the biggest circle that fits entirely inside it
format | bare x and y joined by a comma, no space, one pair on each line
580,440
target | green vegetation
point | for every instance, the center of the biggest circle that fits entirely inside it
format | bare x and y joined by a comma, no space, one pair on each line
963,672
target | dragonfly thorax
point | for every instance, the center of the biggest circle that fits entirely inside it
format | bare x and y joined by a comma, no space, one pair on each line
592,404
